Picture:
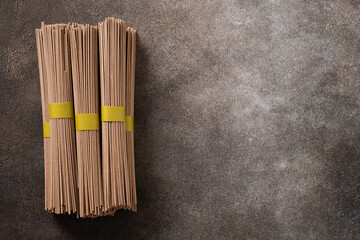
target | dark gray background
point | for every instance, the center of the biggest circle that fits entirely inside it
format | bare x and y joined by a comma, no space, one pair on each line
247,120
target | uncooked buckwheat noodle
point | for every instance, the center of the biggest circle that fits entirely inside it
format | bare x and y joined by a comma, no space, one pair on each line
130,89
45,116
62,142
112,57
84,59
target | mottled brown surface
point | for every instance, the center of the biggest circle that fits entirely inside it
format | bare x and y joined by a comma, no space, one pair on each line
247,120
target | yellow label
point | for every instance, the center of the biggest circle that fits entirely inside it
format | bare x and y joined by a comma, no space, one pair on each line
89,121
129,123
46,129
112,113
61,110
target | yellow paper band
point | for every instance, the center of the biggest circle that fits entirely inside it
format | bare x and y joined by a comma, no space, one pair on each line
88,121
46,129
112,113
61,110
129,123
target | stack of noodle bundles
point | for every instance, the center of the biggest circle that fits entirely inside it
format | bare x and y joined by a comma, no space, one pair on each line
90,177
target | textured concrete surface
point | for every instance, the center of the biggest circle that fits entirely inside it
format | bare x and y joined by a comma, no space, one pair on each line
247,120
